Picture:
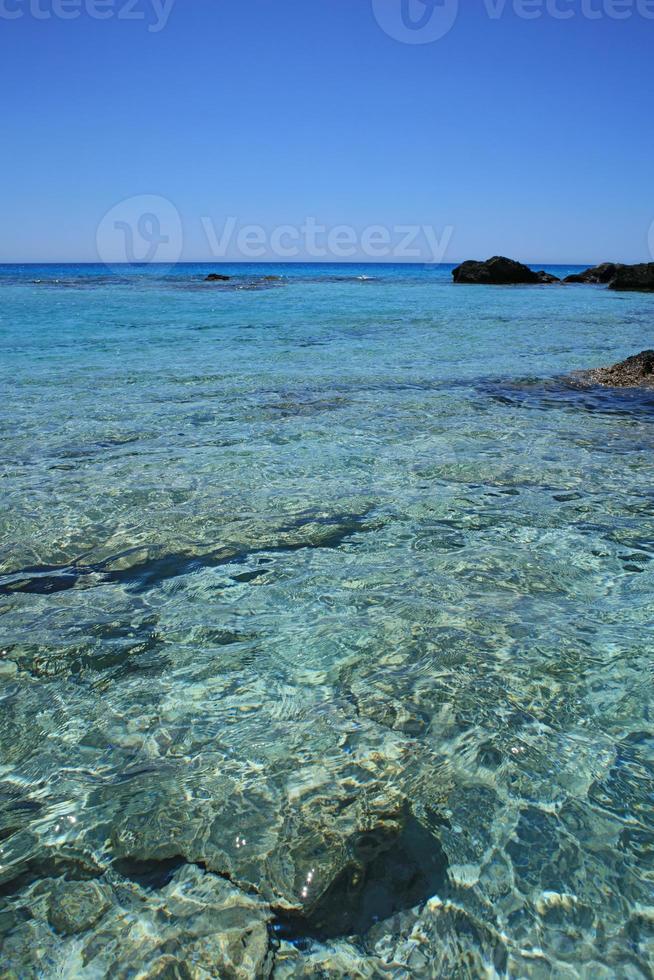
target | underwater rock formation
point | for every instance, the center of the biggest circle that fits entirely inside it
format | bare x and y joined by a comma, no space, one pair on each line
197,926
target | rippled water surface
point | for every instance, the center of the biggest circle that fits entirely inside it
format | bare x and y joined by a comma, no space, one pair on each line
325,627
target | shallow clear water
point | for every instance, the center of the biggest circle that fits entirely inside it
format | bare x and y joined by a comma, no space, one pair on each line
325,627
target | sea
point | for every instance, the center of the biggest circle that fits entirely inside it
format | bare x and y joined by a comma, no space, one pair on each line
326,608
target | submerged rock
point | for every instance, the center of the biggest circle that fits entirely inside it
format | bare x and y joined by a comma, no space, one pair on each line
76,906
215,277
331,961
391,862
169,967
332,853
500,271
196,926
444,940
635,372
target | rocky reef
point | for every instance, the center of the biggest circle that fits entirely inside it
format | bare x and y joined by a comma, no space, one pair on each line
635,372
216,277
500,271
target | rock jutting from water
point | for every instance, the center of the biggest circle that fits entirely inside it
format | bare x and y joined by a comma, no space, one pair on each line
635,372
634,278
216,277
617,276
500,271
597,275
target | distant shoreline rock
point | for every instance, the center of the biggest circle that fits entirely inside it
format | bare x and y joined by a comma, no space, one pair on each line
635,278
635,372
617,276
597,275
500,271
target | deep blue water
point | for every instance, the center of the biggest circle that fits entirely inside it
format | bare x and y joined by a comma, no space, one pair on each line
334,586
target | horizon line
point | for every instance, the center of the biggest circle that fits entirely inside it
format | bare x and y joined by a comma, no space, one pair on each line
219,262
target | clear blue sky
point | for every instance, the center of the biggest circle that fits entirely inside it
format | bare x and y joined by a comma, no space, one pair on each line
533,138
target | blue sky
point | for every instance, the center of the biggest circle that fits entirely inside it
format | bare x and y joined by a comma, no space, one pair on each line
530,137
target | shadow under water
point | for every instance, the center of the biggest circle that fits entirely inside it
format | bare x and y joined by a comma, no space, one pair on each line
140,576
569,394
387,873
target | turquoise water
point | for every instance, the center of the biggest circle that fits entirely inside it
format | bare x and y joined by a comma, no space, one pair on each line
325,627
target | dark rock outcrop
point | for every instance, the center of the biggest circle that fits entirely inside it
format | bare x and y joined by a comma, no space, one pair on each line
499,271
215,277
636,278
616,275
635,372
597,275
546,278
